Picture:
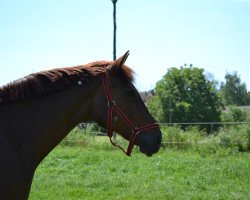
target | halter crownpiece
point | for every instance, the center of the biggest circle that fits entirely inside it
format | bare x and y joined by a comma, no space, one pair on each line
112,107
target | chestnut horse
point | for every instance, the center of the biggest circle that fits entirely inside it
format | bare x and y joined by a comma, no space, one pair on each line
38,111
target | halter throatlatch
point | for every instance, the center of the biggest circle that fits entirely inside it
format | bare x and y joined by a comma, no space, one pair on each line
112,107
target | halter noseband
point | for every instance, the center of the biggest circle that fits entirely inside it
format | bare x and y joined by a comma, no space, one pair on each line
112,107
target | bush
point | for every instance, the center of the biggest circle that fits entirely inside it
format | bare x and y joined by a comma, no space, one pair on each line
235,114
89,128
175,137
236,137
87,138
78,137
227,139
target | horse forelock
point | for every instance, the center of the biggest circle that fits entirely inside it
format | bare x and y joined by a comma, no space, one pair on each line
50,81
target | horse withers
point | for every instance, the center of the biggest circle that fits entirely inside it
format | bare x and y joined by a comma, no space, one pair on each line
39,110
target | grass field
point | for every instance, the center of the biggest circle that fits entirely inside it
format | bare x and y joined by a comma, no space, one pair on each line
72,172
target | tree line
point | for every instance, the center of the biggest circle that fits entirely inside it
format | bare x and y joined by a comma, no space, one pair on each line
189,94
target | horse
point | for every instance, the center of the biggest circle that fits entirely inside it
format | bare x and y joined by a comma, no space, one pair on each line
39,110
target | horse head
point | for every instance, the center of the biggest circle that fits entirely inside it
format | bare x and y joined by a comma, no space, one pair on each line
119,107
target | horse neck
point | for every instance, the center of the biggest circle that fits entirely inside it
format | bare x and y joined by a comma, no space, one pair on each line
38,125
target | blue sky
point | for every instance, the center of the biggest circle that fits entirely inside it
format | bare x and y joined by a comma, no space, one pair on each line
210,34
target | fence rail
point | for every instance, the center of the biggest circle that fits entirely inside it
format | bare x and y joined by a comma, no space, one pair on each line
84,125
210,124
204,123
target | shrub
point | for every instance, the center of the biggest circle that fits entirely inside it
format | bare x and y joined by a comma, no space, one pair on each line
78,137
227,139
89,128
236,137
235,114
175,137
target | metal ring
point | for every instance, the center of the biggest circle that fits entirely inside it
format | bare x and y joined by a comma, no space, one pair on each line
111,103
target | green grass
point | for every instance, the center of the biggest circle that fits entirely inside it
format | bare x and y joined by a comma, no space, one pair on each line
71,172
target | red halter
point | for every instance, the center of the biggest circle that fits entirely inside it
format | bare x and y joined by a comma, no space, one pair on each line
112,107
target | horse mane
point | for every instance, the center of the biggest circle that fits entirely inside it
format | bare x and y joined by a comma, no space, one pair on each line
50,81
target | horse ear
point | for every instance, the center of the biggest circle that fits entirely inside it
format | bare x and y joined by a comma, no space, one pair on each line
120,61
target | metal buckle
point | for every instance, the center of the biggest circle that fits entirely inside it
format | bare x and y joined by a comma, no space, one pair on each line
111,103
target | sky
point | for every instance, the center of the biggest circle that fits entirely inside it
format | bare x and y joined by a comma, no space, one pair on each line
160,34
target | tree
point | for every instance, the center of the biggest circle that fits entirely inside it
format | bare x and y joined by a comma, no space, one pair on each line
248,98
233,92
185,95
155,107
